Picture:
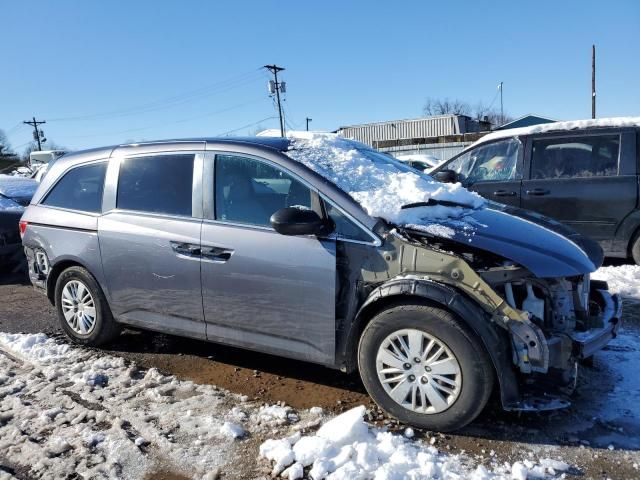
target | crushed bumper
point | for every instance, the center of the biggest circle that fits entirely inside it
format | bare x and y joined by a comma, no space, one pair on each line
585,344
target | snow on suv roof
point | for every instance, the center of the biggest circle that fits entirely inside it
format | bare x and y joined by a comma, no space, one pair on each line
561,126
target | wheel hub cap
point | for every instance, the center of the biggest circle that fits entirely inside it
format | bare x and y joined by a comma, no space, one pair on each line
418,371
78,307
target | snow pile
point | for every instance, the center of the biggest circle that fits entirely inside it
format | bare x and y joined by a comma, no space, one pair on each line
623,279
347,448
377,182
67,409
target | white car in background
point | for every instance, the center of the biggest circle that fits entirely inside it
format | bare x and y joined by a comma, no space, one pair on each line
420,161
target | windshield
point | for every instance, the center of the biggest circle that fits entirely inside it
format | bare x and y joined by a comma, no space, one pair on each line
381,184
493,161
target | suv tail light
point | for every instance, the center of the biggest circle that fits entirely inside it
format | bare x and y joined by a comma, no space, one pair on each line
23,227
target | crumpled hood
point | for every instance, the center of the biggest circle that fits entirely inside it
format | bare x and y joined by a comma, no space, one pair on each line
542,245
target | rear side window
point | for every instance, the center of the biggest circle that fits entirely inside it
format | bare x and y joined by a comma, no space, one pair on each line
156,184
79,189
575,157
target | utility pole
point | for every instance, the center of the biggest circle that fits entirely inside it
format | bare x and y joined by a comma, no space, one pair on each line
38,135
501,105
275,87
308,120
593,81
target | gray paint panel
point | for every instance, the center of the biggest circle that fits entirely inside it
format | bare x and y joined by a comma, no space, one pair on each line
276,293
149,283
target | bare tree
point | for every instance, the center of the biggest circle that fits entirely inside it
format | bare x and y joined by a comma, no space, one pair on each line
5,146
437,106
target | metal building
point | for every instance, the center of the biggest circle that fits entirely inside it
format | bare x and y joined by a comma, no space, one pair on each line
442,136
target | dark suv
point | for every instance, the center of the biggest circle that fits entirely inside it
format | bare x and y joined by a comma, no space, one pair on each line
582,173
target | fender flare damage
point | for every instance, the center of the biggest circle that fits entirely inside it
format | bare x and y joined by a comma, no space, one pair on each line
495,339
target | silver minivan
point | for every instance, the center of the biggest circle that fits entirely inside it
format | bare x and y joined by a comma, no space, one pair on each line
320,249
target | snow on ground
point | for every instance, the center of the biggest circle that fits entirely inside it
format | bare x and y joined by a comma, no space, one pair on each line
376,181
67,409
622,279
346,448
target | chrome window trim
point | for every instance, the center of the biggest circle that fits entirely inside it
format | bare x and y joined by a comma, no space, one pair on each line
141,213
375,239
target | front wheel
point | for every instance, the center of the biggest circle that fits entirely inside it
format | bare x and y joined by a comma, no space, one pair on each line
423,366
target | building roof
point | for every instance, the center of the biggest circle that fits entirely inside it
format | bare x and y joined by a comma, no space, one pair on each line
526,121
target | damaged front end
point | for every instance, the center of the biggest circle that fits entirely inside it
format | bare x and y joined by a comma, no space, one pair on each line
549,323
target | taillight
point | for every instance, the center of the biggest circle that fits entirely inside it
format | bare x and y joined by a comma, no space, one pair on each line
23,227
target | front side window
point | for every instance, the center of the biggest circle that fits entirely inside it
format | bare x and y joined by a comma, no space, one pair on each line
496,161
343,227
156,184
249,191
79,189
575,157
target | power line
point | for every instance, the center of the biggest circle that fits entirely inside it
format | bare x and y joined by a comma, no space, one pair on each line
246,126
183,120
169,102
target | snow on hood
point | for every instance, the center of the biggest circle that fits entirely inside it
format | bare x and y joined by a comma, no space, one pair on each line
378,182
17,187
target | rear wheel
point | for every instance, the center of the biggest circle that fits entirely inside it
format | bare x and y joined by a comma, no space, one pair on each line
423,366
82,308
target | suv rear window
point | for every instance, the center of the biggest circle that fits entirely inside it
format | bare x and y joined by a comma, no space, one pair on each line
156,184
575,157
79,189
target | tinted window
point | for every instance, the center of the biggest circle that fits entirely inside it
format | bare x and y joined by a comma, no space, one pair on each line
249,191
490,162
345,228
158,184
79,189
592,156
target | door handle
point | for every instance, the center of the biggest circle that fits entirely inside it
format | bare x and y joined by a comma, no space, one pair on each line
216,254
538,192
504,193
187,249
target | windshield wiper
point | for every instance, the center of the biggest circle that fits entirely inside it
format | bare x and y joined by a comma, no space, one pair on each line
432,202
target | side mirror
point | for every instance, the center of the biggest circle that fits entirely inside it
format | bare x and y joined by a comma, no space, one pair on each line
446,176
296,221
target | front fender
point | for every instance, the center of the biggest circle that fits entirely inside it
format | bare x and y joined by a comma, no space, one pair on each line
495,339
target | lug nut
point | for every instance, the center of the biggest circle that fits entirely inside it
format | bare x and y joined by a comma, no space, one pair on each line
424,380
427,368
417,360
407,366
412,378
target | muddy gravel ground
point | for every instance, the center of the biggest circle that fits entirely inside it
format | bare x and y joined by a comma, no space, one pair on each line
598,446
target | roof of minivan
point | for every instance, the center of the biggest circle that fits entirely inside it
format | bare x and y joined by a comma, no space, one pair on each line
560,126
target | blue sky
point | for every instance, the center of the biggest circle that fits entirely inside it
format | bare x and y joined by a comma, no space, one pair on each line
110,72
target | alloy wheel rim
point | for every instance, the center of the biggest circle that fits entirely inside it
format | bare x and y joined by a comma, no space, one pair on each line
418,371
78,307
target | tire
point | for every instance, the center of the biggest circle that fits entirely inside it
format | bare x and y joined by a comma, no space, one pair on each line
453,406
635,250
103,328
